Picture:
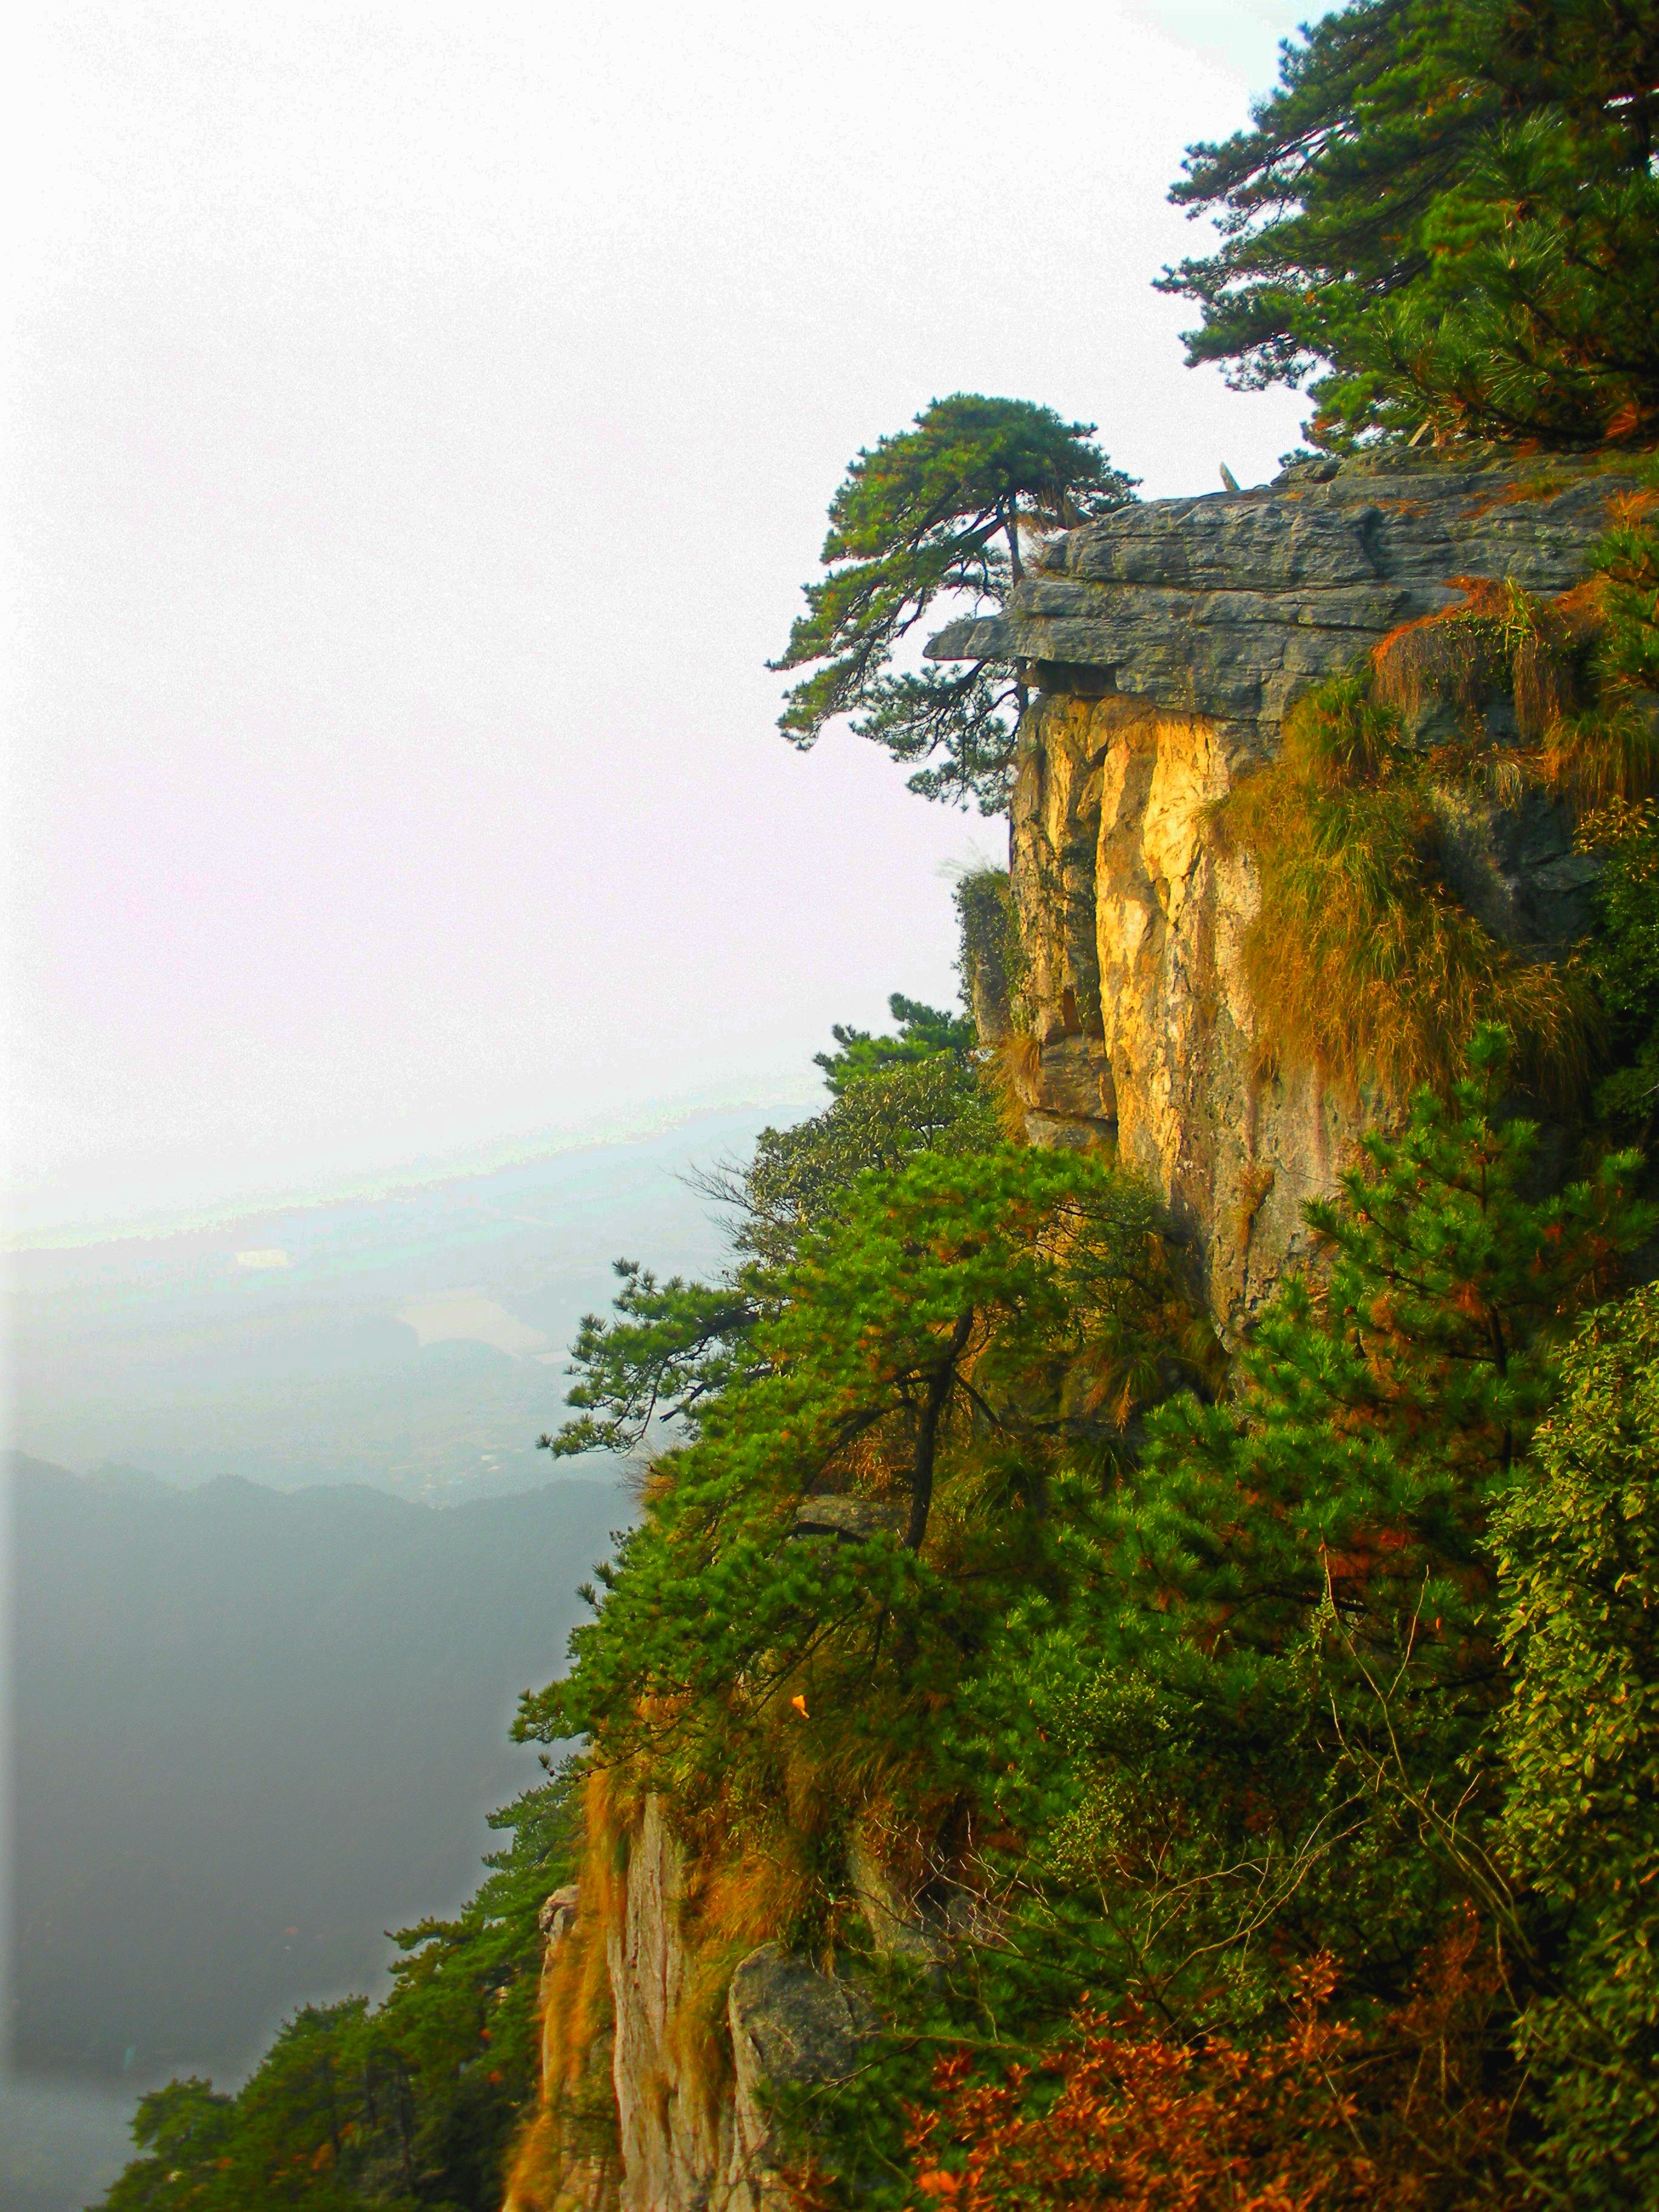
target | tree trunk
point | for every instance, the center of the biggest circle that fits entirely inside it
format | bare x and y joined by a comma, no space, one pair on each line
932,1406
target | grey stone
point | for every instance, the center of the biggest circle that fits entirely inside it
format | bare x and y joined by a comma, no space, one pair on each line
854,1520
791,2026
1515,869
557,1913
1232,604
1076,1079
799,2025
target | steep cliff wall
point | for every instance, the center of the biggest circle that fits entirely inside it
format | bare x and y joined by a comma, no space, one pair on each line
692,2127
1167,642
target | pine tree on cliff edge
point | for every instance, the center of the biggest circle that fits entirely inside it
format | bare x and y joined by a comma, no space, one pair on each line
939,508
1447,214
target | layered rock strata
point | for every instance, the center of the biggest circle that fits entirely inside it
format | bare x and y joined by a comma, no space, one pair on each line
1230,606
1167,642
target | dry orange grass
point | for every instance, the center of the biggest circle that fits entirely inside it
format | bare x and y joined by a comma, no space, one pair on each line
547,2170
1499,638
1012,1069
1359,961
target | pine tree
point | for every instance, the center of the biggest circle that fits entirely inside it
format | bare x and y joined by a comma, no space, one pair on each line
1294,1593
939,1352
922,1033
668,1349
940,508
1450,207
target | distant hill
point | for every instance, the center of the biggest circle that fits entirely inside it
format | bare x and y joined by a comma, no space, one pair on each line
253,1730
414,1340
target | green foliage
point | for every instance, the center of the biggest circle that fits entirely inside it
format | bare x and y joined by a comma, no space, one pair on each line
922,1032
1167,1692
670,1347
1250,1719
1628,561
990,962
1307,1560
1624,960
798,1176
1608,752
963,1333
1623,957
1342,1494
1579,1547
1451,206
936,509
412,2104
1162,1698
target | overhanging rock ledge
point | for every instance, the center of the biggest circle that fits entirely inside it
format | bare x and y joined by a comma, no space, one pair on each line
1166,642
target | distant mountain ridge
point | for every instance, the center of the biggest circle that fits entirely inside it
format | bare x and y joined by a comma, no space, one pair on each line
253,1729
414,1341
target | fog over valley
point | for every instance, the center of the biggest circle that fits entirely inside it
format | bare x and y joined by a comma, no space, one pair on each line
416,1341
283,1555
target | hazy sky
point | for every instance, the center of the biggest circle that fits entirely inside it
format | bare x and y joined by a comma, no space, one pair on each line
422,420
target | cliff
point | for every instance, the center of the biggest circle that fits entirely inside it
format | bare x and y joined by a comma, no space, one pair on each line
1167,643
679,2131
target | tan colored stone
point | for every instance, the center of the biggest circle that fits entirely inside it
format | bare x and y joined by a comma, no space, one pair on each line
672,2146
1169,1076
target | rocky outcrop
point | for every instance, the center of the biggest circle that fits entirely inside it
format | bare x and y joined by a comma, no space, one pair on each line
1168,641
791,2026
674,2141
1229,606
1166,644
693,2134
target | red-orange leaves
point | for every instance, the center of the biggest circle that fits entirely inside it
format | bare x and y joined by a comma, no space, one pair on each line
1149,2126
1320,2118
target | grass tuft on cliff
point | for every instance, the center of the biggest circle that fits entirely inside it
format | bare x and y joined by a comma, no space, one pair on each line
1361,960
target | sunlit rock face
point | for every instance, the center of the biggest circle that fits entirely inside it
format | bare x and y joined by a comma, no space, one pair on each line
1167,642
692,2133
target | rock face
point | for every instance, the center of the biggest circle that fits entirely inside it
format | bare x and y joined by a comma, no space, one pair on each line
693,2137
672,2143
1168,641
1230,606
791,2026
